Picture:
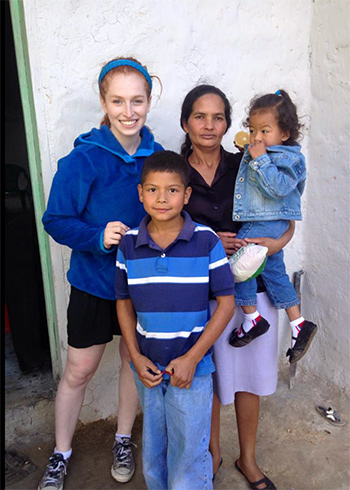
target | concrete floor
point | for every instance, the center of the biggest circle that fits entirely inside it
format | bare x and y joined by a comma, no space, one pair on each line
296,447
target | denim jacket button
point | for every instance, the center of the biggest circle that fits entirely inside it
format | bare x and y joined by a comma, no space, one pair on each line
256,164
241,179
238,196
237,216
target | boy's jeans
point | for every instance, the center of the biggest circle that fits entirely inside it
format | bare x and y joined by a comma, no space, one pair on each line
279,288
176,434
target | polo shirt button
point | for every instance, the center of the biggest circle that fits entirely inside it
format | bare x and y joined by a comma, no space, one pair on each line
241,179
238,196
163,255
237,216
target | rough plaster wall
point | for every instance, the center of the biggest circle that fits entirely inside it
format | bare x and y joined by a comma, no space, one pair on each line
237,45
327,227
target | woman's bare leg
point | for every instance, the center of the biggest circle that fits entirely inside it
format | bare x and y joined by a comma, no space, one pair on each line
247,414
214,445
128,403
80,368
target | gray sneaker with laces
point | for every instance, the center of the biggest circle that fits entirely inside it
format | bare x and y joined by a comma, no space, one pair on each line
54,474
123,466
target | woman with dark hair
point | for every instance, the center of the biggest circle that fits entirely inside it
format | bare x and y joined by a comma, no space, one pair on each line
239,378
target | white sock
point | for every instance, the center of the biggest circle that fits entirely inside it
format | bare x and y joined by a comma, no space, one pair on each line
248,322
296,326
118,437
65,454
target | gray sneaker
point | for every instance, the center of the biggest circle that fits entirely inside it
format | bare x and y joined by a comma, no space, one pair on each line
54,474
123,466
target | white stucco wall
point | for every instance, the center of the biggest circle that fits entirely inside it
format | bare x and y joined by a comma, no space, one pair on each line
326,234
243,47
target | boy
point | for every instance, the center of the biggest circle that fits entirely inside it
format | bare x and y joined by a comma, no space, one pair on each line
166,271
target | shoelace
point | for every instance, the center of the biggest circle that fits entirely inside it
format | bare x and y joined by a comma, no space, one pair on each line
54,470
122,450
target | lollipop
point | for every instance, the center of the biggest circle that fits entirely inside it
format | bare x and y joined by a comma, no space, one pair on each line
242,138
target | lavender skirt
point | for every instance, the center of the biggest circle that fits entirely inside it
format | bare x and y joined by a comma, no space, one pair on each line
252,368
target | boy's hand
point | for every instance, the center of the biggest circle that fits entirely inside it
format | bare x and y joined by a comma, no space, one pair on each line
182,369
143,366
257,149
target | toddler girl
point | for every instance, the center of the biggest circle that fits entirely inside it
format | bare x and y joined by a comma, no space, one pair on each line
268,189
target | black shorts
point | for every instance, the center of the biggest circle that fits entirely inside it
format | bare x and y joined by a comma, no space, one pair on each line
91,320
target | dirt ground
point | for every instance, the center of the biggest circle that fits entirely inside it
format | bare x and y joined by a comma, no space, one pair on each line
296,447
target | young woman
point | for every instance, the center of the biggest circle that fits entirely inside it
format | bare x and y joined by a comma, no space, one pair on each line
93,202
205,118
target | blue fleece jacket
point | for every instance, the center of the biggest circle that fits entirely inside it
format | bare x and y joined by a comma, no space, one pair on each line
95,184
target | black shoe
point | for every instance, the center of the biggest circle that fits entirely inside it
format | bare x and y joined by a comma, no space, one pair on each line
259,329
254,484
302,343
214,474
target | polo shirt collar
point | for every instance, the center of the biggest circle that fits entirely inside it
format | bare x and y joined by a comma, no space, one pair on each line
144,238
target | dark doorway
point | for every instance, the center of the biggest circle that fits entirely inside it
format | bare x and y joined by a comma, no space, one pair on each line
26,335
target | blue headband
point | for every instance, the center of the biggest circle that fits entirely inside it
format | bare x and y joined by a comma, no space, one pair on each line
278,93
115,63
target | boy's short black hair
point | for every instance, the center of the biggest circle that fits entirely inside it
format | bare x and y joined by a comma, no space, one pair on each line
166,161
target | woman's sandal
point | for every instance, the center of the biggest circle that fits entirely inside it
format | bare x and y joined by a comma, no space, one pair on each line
214,474
331,415
254,485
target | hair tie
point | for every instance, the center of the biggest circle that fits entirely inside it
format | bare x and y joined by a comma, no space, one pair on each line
113,64
278,93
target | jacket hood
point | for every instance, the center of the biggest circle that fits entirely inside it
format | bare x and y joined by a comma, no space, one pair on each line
104,138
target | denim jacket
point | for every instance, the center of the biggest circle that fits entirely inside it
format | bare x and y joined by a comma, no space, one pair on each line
270,187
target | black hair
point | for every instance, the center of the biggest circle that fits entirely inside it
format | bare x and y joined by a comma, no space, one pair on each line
285,110
187,108
166,161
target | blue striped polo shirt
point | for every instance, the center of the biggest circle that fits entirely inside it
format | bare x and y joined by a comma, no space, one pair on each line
170,288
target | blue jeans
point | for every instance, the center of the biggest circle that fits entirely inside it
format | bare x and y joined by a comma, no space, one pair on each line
279,288
176,434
